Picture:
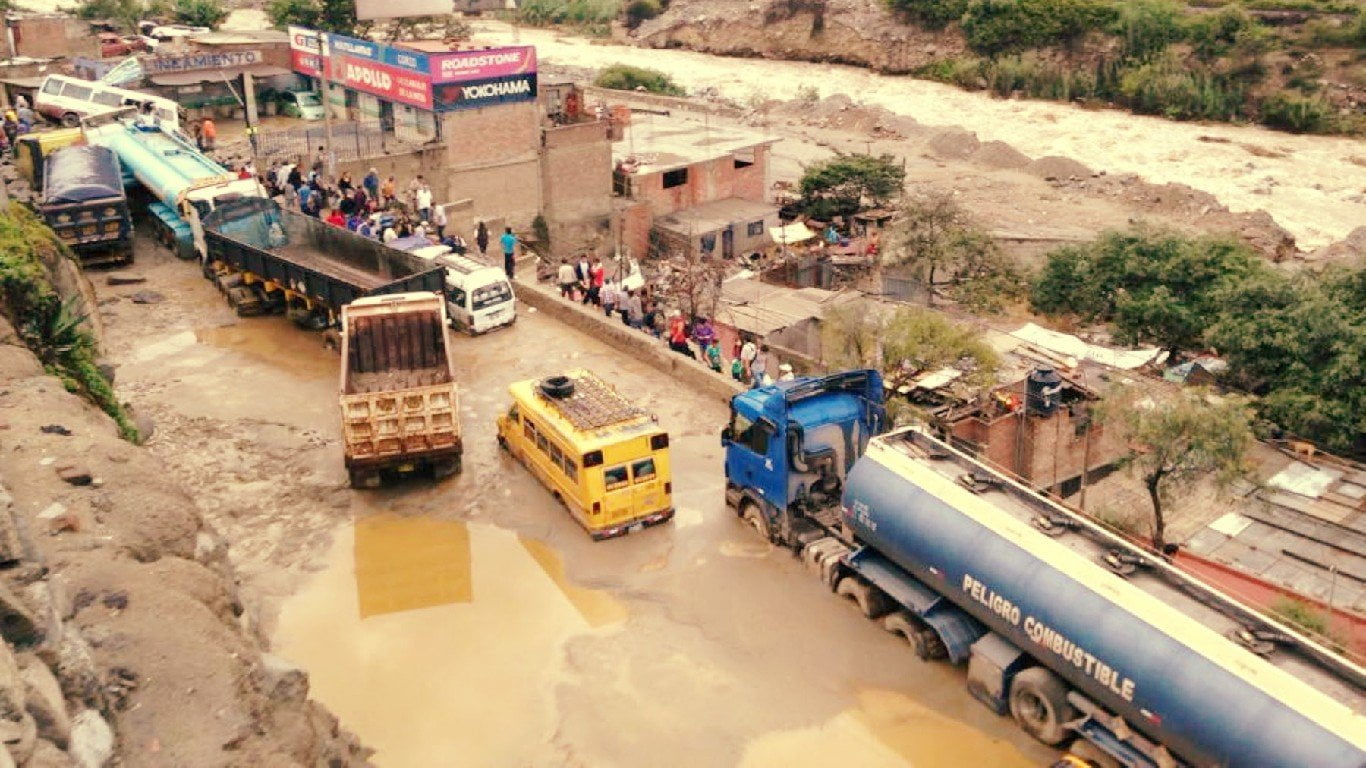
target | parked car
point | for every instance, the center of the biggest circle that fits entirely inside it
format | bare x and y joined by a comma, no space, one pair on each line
113,46
301,104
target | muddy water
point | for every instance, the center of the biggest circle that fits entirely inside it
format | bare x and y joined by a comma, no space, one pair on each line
1310,184
440,641
886,729
274,342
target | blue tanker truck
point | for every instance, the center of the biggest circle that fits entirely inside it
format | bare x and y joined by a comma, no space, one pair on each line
1077,634
183,184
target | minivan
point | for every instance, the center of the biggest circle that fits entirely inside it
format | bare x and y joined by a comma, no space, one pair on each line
68,99
479,297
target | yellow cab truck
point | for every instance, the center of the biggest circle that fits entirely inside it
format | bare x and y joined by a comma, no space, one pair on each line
399,404
604,457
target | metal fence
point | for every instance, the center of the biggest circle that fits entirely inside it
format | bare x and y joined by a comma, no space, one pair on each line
351,140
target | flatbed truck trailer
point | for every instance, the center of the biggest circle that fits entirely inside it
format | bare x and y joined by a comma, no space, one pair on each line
1080,635
268,259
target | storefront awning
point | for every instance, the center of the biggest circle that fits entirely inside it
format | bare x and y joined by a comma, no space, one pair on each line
217,75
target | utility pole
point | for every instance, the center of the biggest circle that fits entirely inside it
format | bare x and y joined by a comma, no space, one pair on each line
324,65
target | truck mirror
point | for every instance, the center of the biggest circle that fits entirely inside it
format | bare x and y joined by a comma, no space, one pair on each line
726,435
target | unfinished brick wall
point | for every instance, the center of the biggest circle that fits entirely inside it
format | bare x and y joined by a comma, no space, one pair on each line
577,173
493,159
708,181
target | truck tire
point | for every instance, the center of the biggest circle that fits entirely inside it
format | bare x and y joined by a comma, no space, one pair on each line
225,282
1092,754
928,645
902,624
558,387
446,468
1038,702
871,601
70,120
754,518
361,478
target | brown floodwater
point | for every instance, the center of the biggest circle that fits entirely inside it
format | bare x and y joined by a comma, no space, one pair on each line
276,342
436,640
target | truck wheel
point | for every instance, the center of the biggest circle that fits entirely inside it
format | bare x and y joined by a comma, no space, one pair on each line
871,601
71,120
927,645
1038,701
1092,754
444,469
226,282
902,624
754,518
363,479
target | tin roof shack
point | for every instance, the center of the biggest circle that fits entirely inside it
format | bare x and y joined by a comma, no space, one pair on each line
788,320
665,167
1041,429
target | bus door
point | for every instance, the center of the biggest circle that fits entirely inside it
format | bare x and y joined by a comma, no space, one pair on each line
618,501
646,487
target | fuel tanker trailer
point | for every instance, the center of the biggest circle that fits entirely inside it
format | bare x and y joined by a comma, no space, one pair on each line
1079,635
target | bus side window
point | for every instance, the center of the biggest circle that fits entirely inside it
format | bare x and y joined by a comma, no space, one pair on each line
542,443
529,430
571,469
643,470
615,477
556,457
513,415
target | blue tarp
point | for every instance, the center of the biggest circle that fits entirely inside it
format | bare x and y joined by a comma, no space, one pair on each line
81,174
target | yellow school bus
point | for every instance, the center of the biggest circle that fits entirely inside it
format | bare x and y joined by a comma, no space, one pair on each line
604,457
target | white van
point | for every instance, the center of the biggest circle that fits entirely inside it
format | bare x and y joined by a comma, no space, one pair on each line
479,297
68,99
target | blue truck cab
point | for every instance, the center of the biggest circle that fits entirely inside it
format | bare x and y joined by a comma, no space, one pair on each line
790,445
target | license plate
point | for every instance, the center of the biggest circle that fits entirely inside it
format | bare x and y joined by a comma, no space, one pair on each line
406,467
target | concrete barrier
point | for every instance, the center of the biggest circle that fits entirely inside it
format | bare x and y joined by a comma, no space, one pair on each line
637,344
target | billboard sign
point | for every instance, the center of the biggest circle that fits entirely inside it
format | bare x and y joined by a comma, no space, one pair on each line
485,93
196,61
439,81
464,66
382,80
402,9
305,51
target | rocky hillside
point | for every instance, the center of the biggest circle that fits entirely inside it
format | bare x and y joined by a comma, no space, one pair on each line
859,32
124,641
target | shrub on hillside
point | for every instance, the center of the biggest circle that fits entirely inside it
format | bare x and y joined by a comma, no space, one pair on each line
1230,30
1300,114
1169,88
932,14
995,27
638,11
623,77
1146,28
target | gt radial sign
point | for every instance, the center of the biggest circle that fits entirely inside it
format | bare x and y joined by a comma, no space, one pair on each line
305,51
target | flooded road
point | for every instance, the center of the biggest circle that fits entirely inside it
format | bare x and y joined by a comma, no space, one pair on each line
472,622
1314,186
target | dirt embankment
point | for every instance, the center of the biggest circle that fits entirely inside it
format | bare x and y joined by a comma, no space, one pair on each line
125,642
859,32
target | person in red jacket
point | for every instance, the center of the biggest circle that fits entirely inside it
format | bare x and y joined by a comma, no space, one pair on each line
336,219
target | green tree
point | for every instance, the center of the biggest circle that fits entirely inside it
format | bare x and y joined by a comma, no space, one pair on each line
937,238
127,13
1153,286
1229,30
1147,27
336,16
840,186
1179,439
200,13
1300,344
624,77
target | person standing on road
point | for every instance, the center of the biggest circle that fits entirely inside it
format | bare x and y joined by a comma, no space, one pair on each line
481,240
583,274
567,279
371,184
678,335
747,354
439,221
635,315
424,201
387,190
509,243
197,131
608,297
596,274
210,134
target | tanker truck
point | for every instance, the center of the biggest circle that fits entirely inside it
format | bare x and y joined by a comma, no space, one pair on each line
1081,636
182,183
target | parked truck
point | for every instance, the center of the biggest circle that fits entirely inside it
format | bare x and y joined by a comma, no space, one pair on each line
1078,634
182,184
400,408
83,201
267,259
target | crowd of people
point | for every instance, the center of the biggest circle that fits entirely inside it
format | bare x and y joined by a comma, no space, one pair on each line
17,122
373,206
585,280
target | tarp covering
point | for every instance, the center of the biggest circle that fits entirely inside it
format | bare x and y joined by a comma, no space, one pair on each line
81,174
1073,347
792,233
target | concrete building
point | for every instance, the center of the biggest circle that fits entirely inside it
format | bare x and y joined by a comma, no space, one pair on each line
685,186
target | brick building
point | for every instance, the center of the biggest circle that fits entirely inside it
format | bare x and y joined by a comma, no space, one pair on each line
1045,447
685,185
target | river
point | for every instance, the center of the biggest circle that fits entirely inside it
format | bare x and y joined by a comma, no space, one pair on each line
1314,186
